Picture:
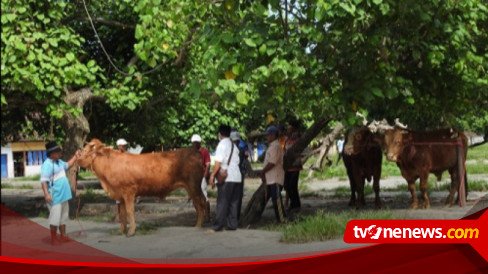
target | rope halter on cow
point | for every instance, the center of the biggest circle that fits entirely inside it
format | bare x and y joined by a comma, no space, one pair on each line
92,154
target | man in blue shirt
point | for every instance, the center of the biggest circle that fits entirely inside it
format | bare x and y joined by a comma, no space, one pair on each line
56,188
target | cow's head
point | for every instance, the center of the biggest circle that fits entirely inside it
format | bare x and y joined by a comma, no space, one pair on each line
395,141
89,152
352,141
359,139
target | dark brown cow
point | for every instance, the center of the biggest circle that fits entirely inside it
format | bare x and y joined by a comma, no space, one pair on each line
124,175
419,153
362,157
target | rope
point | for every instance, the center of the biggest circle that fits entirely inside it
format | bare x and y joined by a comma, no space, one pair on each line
108,56
82,231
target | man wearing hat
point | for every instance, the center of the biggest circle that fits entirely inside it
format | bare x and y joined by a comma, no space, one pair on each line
56,188
196,141
122,147
273,174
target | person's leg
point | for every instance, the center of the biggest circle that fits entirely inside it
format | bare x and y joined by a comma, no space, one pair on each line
63,220
235,194
207,202
54,217
293,178
223,200
275,192
241,192
287,189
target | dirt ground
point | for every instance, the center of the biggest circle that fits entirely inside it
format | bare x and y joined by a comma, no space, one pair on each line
165,228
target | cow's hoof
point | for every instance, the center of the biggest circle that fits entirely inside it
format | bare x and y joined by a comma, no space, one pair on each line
426,206
131,233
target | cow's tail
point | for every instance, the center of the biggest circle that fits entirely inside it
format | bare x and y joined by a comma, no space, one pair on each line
466,182
463,178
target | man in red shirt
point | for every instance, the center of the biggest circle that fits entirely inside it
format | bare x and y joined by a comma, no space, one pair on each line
196,141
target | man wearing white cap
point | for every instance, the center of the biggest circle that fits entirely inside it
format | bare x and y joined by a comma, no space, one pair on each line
122,147
273,174
196,141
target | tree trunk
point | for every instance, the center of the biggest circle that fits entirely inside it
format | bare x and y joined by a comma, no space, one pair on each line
296,150
256,205
327,143
77,129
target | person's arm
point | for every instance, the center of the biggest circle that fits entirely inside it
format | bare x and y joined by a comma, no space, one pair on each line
214,172
47,196
207,169
73,159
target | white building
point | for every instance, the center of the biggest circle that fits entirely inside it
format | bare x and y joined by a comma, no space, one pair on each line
22,159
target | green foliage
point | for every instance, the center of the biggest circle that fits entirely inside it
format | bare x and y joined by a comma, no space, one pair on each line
183,67
39,54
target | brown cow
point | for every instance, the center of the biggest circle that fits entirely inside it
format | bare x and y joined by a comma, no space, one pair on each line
419,153
362,157
123,176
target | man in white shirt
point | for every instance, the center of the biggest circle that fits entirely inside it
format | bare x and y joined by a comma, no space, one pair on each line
273,174
228,192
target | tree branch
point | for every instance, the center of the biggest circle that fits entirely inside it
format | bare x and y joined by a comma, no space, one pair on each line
107,22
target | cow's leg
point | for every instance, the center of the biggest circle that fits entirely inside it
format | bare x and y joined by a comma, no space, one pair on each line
376,188
360,190
200,204
352,183
415,200
196,194
454,186
423,187
129,207
123,217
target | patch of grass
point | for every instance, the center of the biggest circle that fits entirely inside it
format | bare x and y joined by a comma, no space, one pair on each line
342,192
324,226
402,196
90,195
211,193
478,153
477,168
43,214
29,178
179,193
85,174
309,194
12,186
302,186
345,191
7,186
478,185
147,228
389,169
100,218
